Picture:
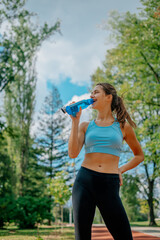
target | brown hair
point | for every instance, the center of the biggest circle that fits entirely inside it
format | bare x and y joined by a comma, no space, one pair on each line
117,105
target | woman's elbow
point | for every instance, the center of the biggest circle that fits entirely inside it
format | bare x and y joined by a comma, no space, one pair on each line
142,157
72,155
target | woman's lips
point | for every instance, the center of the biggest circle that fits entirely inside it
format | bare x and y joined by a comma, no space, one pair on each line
94,101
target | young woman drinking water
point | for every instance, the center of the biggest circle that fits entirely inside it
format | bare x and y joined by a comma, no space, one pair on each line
99,178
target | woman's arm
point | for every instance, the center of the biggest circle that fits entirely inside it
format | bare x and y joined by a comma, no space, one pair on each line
77,135
135,146
76,139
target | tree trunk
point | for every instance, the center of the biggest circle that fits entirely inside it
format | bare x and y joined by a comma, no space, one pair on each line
62,214
152,216
150,198
1,223
151,204
50,211
70,215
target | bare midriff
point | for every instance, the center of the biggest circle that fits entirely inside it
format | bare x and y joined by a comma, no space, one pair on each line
101,162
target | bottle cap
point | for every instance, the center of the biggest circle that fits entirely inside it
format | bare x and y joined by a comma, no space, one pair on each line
63,109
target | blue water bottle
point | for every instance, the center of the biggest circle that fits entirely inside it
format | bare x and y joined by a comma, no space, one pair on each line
74,108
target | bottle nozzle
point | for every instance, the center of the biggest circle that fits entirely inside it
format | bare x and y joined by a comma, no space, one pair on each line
63,109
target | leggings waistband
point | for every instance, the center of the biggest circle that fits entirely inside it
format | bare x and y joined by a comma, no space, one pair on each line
108,175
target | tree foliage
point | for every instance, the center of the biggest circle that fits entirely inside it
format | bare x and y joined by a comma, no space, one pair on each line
132,66
50,138
22,176
21,42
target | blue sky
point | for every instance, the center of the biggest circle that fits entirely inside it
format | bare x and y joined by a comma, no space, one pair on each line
67,89
69,60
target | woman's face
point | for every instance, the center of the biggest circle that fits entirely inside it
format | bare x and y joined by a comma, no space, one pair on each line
99,97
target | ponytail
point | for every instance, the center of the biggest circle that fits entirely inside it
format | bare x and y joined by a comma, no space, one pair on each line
122,113
117,105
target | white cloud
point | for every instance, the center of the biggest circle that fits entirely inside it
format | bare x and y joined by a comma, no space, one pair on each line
56,61
67,59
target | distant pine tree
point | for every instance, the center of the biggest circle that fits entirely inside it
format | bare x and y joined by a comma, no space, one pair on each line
51,124
50,138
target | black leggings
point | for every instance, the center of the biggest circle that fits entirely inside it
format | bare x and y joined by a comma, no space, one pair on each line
93,189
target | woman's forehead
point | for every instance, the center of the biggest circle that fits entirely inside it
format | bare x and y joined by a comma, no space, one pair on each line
98,87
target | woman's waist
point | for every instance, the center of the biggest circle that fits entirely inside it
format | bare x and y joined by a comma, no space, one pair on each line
101,162
101,157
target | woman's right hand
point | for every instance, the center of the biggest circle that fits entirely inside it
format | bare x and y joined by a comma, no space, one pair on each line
120,177
78,114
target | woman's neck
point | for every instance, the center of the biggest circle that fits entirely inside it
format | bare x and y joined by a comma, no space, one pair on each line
105,115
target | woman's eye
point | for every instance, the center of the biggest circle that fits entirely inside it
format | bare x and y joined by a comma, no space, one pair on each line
94,92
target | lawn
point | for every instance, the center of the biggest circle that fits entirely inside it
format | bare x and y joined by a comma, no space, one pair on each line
143,224
44,233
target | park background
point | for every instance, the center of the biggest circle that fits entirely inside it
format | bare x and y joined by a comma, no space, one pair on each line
52,53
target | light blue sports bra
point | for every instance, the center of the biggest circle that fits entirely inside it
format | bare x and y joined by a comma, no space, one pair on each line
103,139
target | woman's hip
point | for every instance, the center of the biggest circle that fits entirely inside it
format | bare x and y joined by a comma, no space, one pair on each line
97,182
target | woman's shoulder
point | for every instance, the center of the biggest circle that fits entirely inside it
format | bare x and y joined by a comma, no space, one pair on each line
127,128
84,125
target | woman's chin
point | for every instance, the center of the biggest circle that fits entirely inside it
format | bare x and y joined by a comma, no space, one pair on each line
93,107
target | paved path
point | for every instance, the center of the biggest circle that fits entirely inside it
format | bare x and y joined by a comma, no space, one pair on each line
101,233
154,231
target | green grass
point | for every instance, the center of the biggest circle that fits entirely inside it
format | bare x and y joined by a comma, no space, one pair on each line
45,233
143,224
54,232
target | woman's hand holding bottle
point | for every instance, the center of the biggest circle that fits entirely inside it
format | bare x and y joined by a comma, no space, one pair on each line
75,107
78,114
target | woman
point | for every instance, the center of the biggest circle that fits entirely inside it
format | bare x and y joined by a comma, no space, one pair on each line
98,180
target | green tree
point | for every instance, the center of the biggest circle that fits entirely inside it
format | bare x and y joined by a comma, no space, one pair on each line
50,138
59,189
133,67
144,209
21,173
6,179
129,195
31,210
22,41
34,179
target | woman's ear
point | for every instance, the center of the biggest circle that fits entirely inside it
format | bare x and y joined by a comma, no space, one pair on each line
109,97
